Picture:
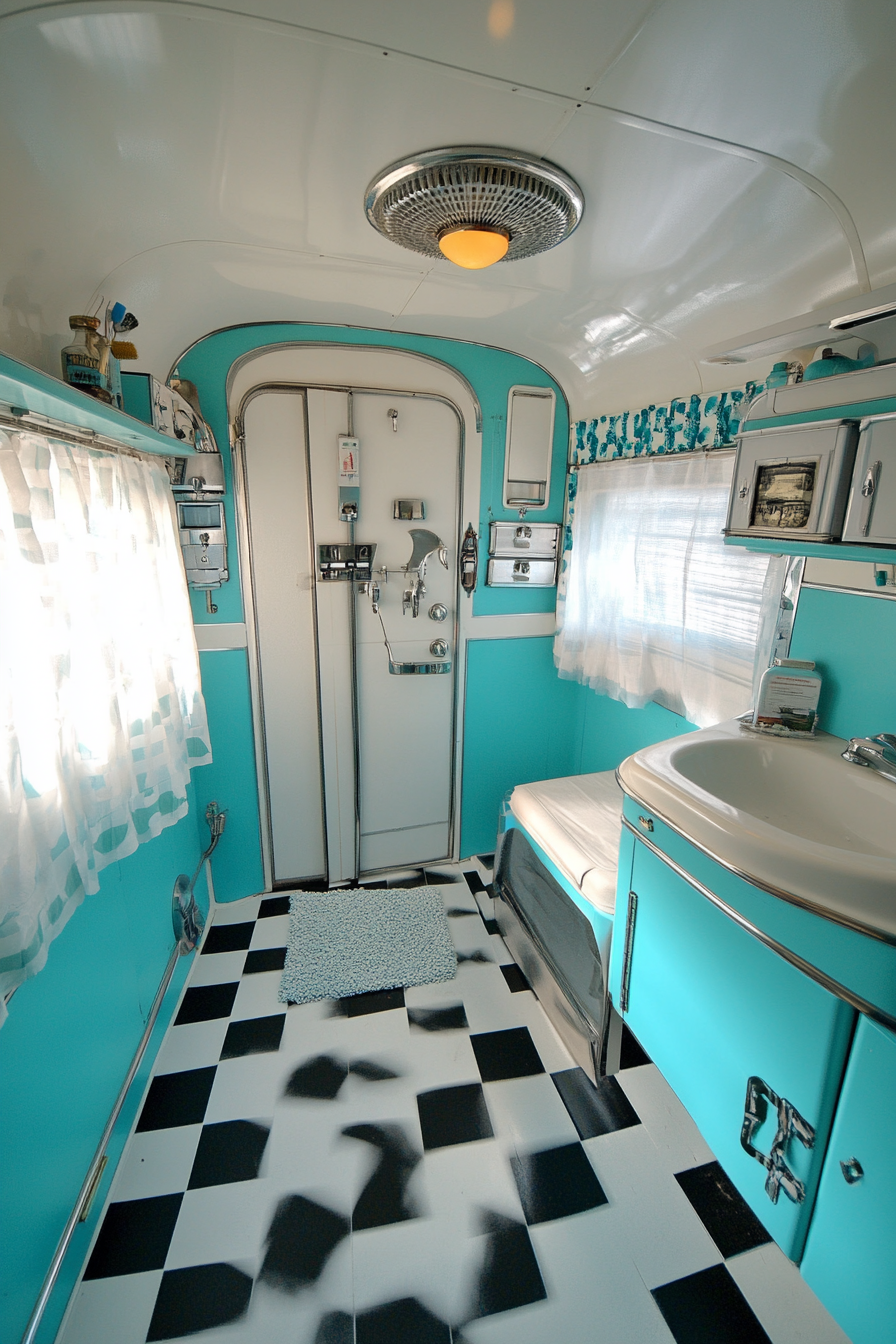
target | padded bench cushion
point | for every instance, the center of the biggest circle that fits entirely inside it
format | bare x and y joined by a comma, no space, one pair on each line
577,821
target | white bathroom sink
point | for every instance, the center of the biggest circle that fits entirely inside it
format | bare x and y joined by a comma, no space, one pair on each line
792,815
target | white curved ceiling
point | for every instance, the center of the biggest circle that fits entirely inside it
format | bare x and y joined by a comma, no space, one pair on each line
207,167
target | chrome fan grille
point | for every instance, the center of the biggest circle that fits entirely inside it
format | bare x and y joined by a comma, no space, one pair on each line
413,203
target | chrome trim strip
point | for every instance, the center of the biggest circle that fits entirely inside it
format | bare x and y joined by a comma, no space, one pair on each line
820,977
98,1162
853,592
724,451
833,916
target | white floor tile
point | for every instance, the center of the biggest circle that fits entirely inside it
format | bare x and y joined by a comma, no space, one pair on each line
528,1115
652,1216
467,1177
257,996
237,912
785,1305
252,1084
270,932
223,1223
193,1046
422,1258
217,968
671,1128
158,1162
112,1311
469,934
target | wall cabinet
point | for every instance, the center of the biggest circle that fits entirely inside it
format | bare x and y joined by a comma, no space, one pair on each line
766,1059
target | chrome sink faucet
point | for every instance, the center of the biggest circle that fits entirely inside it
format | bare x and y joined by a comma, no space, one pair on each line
878,752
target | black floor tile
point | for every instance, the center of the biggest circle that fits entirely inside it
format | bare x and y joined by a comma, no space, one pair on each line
556,1183
482,957
594,1110
451,1115
134,1237
506,1054
320,1077
487,860
228,938
457,912
632,1052
416,879
441,879
300,1240
273,905
385,1199
206,1002
452,1018
337,1327
253,1036
403,1322
474,882
724,1212
378,1001
371,1072
491,926
177,1099
198,1298
229,1151
708,1308
516,981
265,959
509,1276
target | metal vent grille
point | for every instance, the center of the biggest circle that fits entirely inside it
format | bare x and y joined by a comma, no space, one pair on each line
415,201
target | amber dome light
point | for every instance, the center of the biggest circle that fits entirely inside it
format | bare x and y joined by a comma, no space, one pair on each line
474,246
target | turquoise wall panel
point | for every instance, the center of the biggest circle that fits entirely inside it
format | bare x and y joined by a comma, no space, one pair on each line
64,1052
608,730
520,726
231,780
853,640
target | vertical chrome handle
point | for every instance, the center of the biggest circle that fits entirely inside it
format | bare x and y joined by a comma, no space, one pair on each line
631,913
869,489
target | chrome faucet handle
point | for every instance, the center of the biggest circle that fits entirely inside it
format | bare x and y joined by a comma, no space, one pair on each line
886,739
879,753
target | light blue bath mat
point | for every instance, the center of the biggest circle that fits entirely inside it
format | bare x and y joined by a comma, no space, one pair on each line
353,942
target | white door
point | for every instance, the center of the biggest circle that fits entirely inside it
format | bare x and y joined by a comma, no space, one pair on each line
410,449
283,595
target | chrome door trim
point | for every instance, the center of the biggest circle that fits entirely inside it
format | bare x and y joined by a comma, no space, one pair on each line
242,511
820,977
803,902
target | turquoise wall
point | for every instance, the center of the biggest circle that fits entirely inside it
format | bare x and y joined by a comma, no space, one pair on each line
64,1051
852,638
523,723
231,780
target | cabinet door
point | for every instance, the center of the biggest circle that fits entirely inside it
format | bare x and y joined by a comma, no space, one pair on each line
850,1259
714,1008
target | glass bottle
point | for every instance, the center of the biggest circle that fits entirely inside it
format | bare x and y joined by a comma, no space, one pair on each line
81,358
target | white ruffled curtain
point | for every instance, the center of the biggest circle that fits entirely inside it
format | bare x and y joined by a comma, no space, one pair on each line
103,715
656,607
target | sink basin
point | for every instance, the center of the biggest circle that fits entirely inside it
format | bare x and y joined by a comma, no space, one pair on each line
790,815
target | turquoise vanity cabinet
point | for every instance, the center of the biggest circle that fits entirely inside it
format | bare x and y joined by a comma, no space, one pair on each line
792,1087
715,1008
850,1257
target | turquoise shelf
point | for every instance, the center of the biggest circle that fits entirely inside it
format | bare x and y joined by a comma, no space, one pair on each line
42,394
821,550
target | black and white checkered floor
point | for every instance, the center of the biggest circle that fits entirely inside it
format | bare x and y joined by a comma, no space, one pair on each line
423,1166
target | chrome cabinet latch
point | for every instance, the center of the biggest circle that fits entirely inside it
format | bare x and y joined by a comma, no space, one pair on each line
791,1125
852,1170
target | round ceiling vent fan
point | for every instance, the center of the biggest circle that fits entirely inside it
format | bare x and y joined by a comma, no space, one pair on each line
474,205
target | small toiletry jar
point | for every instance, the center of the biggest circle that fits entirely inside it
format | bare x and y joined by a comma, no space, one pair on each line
788,696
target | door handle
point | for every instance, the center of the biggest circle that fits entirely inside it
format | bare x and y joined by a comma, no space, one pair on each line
791,1125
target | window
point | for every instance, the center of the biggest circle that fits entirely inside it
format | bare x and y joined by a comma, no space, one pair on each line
656,607
103,715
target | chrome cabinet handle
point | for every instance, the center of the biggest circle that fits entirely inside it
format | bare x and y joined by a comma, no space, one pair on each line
791,1125
646,823
627,951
